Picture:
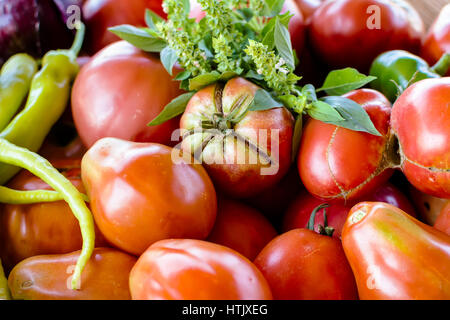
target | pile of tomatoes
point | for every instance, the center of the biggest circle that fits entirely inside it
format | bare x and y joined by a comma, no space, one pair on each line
183,230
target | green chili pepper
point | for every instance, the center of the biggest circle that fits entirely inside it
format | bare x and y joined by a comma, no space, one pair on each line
11,196
21,157
4,289
15,80
47,100
396,70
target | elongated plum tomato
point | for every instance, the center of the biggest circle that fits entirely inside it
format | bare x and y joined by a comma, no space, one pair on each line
394,256
299,212
304,265
443,220
118,92
340,164
41,228
195,270
420,120
437,40
241,228
296,24
48,277
139,195
243,151
103,14
349,33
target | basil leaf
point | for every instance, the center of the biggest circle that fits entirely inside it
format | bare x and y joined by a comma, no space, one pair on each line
324,112
168,58
173,109
272,8
356,118
186,4
339,82
227,75
183,76
203,80
269,30
246,13
263,100
310,92
283,43
206,46
139,38
151,18
297,137
251,74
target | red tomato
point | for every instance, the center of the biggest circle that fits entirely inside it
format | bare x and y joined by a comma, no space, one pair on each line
139,195
119,92
443,220
389,194
241,228
41,228
428,207
257,154
195,270
420,119
437,41
394,256
341,164
349,33
48,277
308,7
103,14
304,265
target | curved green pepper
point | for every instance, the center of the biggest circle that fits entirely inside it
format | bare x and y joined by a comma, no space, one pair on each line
396,70
4,289
15,80
47,100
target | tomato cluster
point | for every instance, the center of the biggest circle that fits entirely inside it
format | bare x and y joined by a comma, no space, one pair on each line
347,215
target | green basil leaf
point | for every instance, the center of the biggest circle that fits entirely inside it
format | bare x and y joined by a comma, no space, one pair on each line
251,74
339,82
272,8
324,112
184,85
289,101
183,76
151,18
186,4
139,38
283,43
263,100
168,58
227,75
296,138
269,30
203,80
206,46
356,118
310,92
173,109
246,13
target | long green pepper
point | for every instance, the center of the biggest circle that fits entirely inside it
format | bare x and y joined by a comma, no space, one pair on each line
4,289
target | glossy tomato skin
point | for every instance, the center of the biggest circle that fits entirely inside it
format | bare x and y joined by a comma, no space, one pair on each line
48,277
195,270
340,164
437,40
388,193
304,265
427,207
241,228
119,92
228,159
139,195
345,34
308,7
394,256
420,122
443,220
103,14
42,228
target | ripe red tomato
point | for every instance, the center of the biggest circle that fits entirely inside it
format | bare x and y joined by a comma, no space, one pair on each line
304,265
420,120
139,195
245,156
437,41
308,7
428,207
241,228
299,212
394,256
195,270
443,220
349,33
49,277
42,228
340,164
119,92
103,14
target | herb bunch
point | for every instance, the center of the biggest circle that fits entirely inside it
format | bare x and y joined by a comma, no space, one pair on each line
247,38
